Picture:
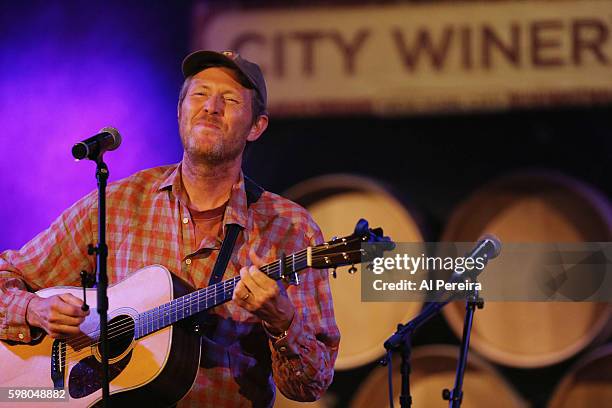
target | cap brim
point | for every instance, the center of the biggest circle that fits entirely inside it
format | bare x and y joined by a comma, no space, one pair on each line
199,60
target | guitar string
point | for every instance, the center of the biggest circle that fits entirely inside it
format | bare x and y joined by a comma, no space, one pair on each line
227,289
229,284
127,328
273,268
117,329
194,302
76,354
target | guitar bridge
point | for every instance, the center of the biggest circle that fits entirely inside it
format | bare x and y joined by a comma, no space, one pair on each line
58,364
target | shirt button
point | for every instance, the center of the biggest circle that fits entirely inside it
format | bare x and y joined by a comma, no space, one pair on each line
21,336
282,349
185,220
188,261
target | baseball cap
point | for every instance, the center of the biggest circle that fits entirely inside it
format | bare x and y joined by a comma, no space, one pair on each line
199,60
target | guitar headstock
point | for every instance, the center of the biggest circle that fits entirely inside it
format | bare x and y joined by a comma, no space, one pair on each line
349,250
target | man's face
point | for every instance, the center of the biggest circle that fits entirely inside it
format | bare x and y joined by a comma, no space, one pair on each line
215,118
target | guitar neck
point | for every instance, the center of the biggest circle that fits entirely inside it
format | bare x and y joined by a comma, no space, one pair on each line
211,296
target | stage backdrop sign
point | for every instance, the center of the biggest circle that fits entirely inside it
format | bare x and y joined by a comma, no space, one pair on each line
398,59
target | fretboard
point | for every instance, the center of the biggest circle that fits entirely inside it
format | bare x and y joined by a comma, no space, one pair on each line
209,297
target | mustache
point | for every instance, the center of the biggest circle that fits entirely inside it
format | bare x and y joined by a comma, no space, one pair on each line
210,120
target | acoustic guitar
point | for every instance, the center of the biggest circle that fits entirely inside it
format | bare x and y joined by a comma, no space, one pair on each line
154,351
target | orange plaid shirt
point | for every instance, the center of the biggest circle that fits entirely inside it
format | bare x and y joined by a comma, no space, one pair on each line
149,223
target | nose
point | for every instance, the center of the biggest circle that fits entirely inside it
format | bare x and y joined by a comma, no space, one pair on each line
214,104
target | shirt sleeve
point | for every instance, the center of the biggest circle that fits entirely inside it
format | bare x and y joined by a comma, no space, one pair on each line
303,360
54,257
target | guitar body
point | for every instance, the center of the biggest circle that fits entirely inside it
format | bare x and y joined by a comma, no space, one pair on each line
154,353
157,369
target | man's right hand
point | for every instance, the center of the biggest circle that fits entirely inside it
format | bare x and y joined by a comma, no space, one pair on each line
59,315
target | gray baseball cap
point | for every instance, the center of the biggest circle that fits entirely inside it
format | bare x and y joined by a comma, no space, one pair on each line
200,60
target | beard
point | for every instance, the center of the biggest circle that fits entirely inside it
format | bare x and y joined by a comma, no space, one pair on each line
212,152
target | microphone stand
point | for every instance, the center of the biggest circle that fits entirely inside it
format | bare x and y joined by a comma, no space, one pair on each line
101,252
401,341
455,396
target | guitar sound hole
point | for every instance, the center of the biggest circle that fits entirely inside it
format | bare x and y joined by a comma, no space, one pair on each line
120,335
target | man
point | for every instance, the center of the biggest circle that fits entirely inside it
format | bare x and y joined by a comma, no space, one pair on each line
177,216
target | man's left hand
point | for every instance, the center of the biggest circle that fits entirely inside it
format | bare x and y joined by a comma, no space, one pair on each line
264,297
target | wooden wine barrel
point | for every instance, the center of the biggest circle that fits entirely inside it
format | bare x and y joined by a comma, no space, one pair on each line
532,207
336,202
588,383
433,369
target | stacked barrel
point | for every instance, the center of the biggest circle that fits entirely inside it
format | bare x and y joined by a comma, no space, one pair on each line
513,344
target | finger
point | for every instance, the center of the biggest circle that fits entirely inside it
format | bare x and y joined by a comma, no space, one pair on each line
65,307
62,330
259,277
73,300
240,292
247,279
58,318
255,259
262,280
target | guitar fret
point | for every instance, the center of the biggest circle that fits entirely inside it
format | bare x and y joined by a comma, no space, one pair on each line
172,311
156,318
188,305
142,319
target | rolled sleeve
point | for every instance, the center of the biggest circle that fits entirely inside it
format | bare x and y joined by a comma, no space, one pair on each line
303,360
13,308
53,257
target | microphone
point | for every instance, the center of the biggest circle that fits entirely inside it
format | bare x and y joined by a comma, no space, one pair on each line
487,247
95,146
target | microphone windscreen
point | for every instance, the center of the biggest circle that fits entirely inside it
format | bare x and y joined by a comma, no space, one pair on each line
494,243
116,136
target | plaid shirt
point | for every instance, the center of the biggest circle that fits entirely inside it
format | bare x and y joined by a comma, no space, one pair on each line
149,223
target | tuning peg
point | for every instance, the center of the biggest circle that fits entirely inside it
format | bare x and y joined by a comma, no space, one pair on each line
352,269
334,275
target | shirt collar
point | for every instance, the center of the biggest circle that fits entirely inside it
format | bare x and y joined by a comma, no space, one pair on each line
236,210
172,181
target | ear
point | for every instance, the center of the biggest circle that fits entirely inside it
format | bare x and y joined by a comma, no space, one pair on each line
258,128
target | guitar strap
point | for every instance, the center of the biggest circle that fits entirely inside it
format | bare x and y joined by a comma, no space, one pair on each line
203,321
253,192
